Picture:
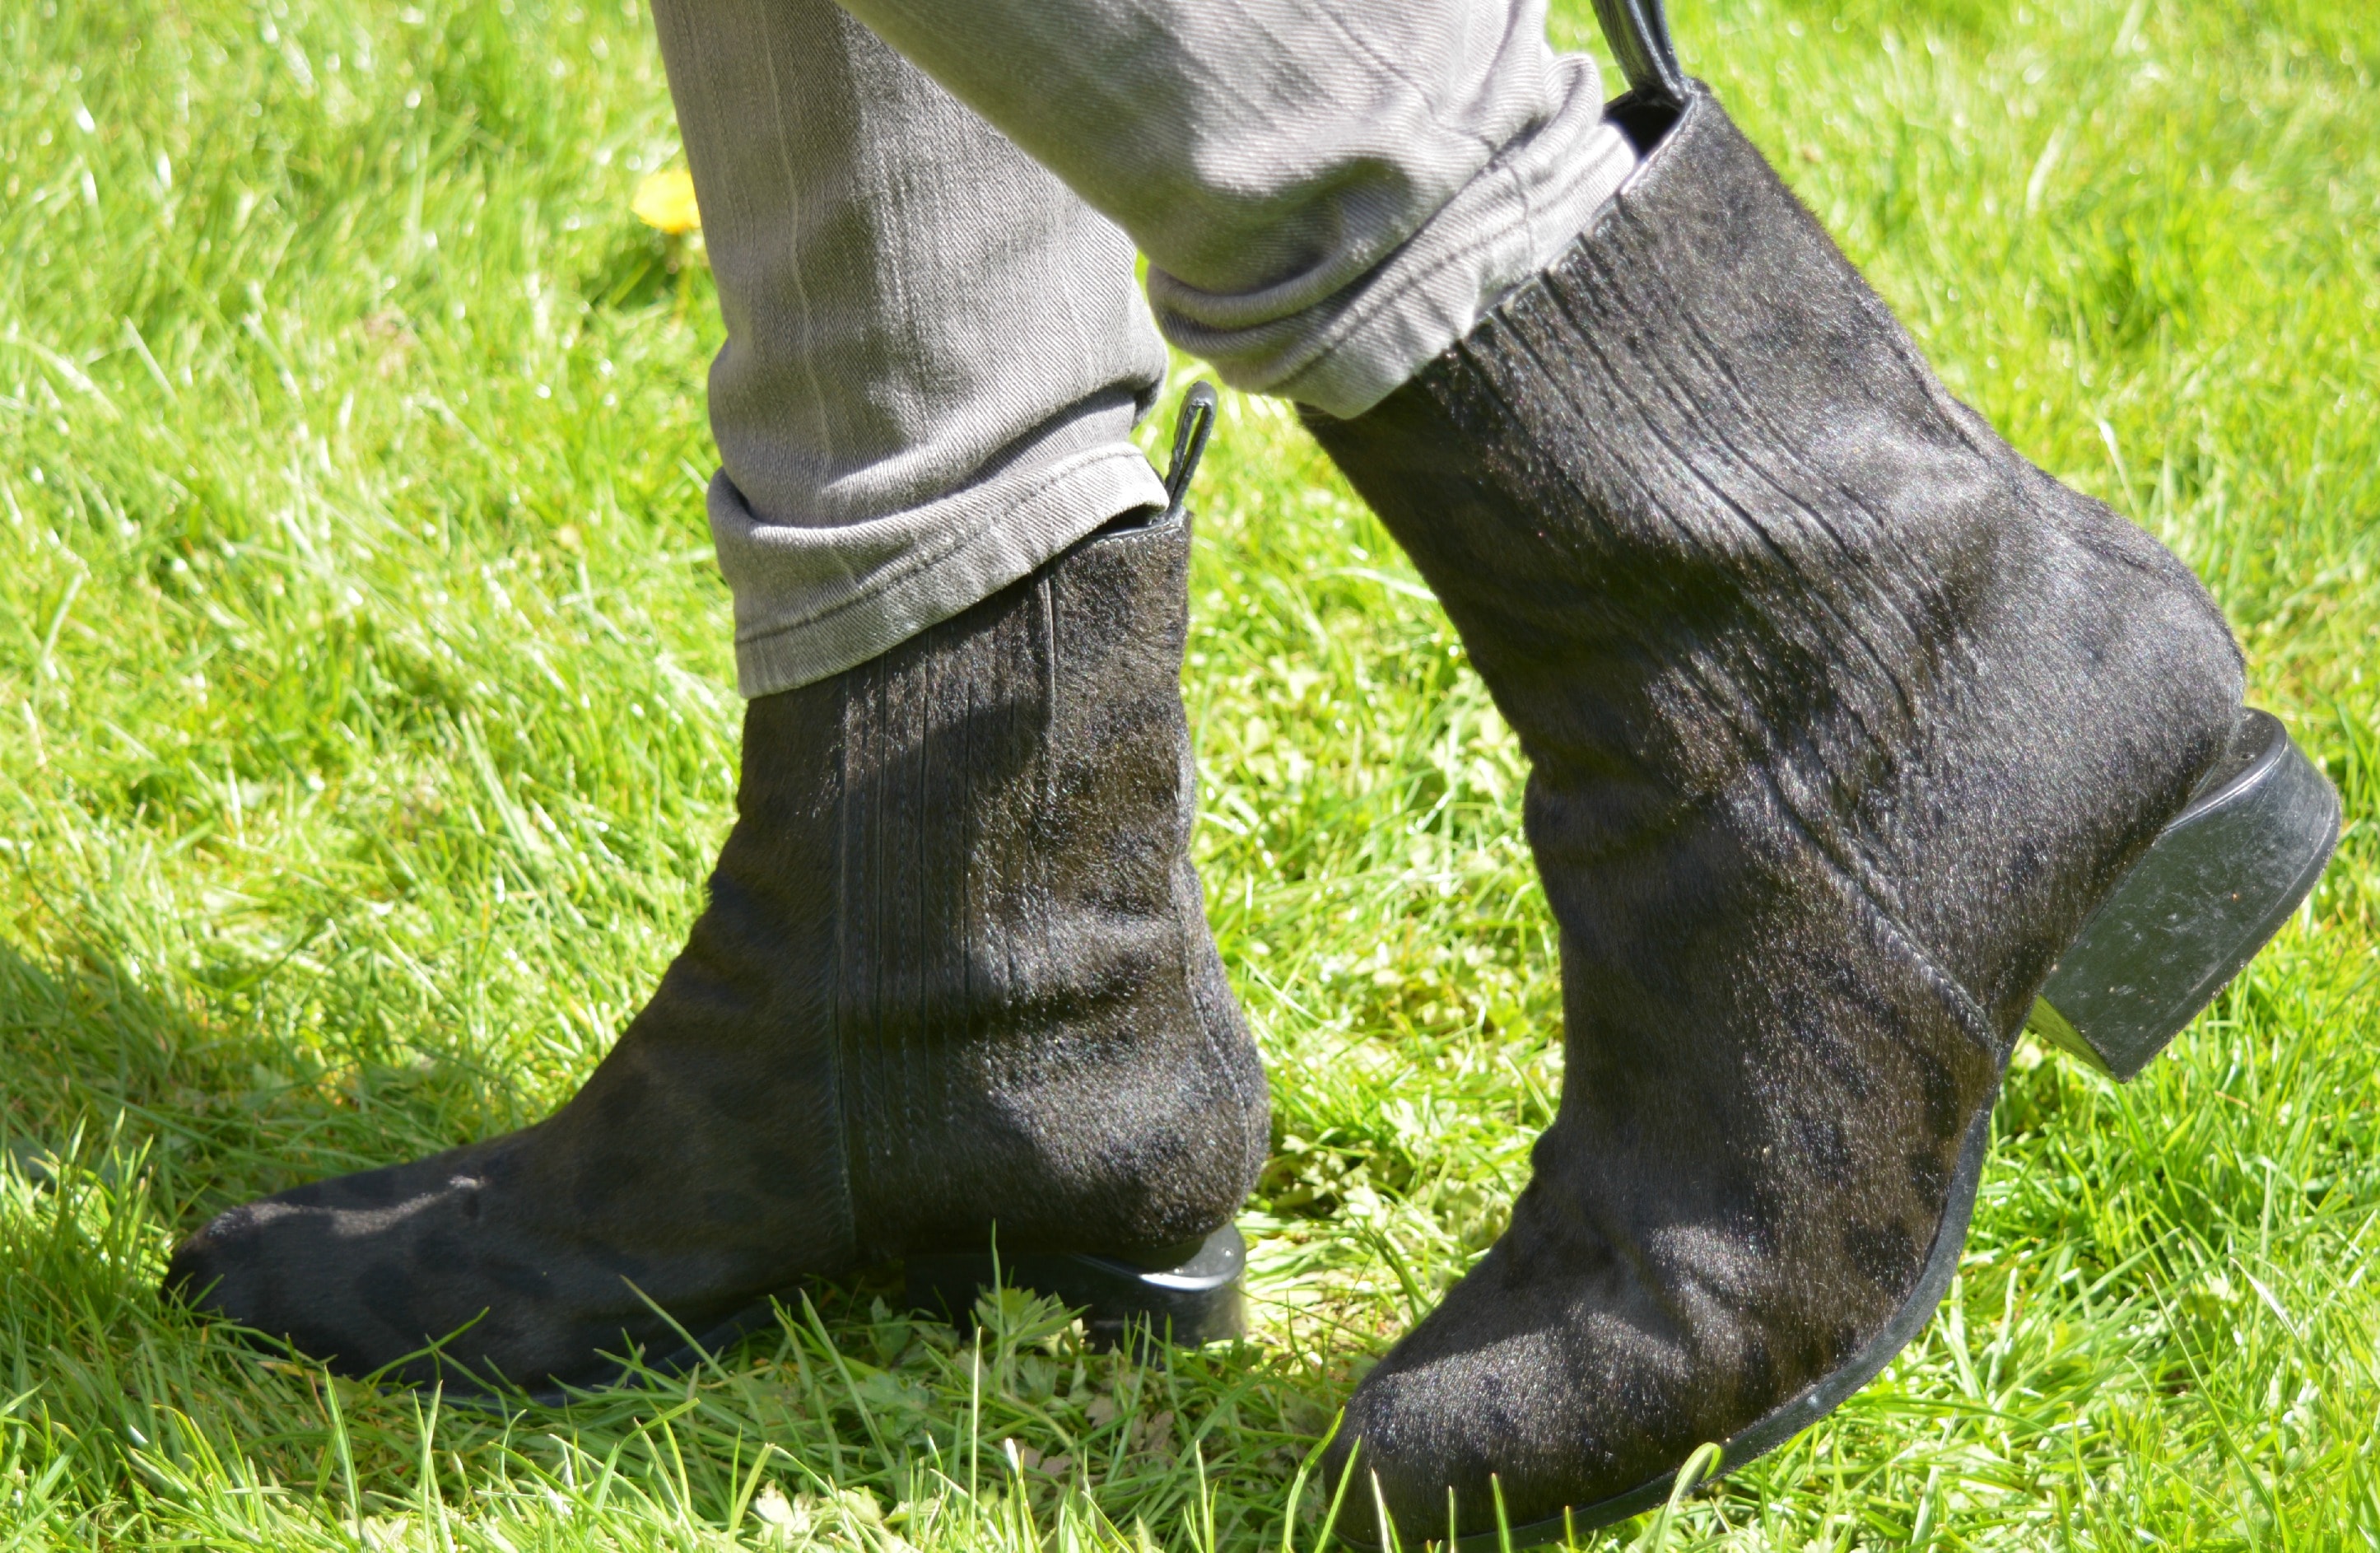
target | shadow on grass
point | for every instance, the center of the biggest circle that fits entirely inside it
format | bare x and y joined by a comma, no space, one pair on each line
129,1115
226,1109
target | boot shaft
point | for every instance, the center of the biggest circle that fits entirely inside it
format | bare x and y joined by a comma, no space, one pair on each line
1706,518
1024,1009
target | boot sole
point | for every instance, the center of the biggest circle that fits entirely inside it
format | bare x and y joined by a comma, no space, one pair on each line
1188,1301
2211,890
1191,1299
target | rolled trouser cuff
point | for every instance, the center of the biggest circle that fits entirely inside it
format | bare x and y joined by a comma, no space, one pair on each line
1345,353
813,601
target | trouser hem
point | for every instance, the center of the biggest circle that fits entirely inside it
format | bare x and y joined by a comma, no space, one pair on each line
1397,329
1013,524
1514,217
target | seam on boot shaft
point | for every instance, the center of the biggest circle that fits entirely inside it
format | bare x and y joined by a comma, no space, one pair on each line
1095,677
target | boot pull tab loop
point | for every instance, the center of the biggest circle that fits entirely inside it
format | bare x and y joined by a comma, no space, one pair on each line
1638,31
1190,434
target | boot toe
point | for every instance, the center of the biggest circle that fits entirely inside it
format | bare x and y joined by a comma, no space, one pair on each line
267,1268
1544,1390
1466,1415
356,1272
213,1270
363,1273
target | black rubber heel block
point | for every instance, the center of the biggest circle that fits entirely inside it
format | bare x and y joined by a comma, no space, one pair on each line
2210,892
1191,1297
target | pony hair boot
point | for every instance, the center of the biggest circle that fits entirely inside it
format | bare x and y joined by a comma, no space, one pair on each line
1846,724
954,978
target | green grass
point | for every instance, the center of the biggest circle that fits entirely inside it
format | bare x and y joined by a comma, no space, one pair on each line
366,729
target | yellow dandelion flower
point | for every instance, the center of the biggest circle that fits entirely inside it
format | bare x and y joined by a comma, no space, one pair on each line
665,199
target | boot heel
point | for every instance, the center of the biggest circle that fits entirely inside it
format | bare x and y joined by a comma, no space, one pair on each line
2210,889
1188,1296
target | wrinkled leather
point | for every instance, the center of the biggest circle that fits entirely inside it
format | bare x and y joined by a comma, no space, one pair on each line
955,973
1842,716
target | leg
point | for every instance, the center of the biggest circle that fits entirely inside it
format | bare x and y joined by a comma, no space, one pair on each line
954,976
935,351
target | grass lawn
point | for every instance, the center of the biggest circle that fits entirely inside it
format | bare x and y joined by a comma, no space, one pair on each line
367,728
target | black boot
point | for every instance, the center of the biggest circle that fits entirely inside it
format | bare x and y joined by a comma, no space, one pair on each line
955,974
1844,720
